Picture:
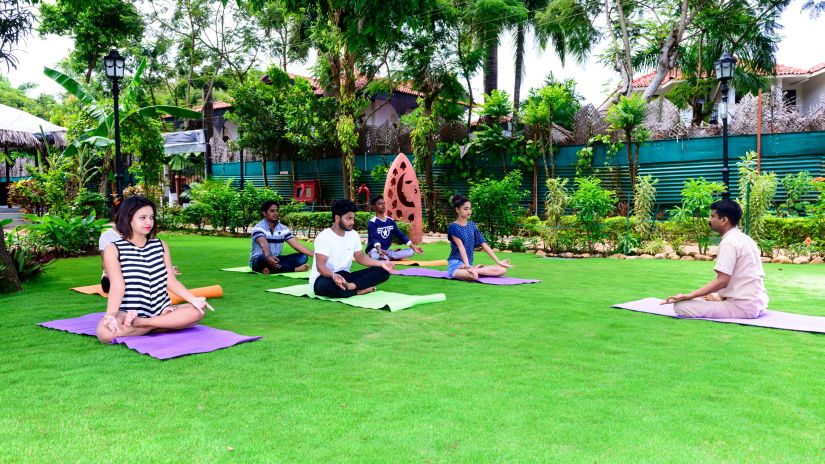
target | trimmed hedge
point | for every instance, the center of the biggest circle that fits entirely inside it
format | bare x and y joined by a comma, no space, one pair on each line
784,232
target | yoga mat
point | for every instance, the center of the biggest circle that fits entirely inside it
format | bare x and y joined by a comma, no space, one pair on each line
161,345
413,262
213,291
769,319
436,274
375,300
291,275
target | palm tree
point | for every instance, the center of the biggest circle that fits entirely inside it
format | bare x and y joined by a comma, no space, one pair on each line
487,19
565,24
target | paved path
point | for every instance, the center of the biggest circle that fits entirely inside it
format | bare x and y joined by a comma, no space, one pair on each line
13,214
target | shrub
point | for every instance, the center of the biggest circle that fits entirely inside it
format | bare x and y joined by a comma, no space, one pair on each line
592,203
796,187
222,203
644,197
196,214
756,193
496,204
697,196
86,203
379,173
784,232
250,201
169,217
28,256
314,222
66,236
29,194
517,244
556,200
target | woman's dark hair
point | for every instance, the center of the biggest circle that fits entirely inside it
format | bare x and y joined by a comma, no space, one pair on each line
459,200
342,207
375,199
268,204
728,209
126,211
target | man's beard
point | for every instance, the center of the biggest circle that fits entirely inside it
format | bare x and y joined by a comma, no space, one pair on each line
343,227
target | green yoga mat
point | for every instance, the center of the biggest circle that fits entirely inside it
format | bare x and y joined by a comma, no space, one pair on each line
375,300
291,275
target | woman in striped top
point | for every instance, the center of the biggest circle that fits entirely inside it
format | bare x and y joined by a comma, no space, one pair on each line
140,271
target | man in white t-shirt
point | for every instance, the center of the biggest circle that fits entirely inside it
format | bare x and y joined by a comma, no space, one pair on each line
739,274
335,249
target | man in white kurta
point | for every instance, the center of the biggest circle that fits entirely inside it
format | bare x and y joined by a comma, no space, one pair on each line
738,290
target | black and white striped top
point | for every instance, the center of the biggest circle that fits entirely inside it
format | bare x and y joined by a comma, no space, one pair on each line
144,274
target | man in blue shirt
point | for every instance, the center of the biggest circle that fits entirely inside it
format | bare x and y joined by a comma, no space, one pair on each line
381,231
268,237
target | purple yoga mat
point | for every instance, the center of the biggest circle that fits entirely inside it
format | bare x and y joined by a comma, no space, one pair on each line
436,274
161,345
769,319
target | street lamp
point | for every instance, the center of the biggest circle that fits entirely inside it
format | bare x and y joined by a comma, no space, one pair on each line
725,66
114,65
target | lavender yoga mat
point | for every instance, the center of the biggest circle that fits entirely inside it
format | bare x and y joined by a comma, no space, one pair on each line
769,319
436,274
164,345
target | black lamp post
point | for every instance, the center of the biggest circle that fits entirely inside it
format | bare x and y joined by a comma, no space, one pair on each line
724,72
114,65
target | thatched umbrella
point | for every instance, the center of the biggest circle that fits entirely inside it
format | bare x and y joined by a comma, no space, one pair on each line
19,129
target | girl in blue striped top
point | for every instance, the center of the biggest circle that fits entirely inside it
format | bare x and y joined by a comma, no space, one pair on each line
140,271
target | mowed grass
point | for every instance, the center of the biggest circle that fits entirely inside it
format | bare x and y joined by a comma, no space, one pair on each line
530,373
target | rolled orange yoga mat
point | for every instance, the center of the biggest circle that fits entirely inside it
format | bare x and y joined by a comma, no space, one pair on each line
213,291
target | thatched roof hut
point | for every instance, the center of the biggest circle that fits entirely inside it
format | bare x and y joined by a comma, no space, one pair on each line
19,129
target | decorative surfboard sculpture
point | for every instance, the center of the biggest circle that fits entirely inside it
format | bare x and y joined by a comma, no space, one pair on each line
403,197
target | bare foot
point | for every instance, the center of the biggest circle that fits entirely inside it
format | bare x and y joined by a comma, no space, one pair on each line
302,268
350,286
364,291
130,318
265,271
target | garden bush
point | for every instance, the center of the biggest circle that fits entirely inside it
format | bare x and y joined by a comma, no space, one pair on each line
496,207
592,203
28,255
67,236
314,222
250,201
756,192
196,214
29,194
87,203
222,202
697,196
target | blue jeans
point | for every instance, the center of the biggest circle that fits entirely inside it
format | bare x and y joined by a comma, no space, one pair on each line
288,263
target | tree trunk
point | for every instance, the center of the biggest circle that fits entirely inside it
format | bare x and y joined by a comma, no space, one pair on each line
8,271
519,68
552,155
208,127
626,45
345,175
263,171
491,68
428,170
535,188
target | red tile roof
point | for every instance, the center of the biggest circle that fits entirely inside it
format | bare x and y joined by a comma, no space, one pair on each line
675,74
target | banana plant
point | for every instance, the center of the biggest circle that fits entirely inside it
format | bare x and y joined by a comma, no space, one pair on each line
132,104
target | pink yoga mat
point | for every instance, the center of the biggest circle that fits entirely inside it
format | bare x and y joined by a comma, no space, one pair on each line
162,345
769,319
436,274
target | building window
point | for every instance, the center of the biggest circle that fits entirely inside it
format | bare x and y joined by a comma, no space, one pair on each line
789,97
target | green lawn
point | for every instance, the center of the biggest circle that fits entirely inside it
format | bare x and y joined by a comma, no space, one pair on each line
531,373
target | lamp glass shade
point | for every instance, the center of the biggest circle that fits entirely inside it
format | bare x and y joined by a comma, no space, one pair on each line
725,66
114,65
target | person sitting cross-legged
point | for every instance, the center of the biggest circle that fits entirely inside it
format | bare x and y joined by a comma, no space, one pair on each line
335,249
738,291
268,237
139,268
464,238
381,231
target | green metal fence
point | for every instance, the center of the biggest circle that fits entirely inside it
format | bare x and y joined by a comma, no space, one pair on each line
671,161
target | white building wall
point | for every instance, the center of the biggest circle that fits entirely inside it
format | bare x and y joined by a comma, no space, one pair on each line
378,115
811,94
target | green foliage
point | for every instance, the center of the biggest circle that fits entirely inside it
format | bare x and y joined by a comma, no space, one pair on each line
94,26
196,214
496,204
44,106
309,119
756,193
66,236
817,210
423,129
556,200
142,138
796,188
592,203
697,196
29,194
491,141
784,232
222,203
626,117
643,200
89,203
27,253
379,173
496,106
554,104
516,244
